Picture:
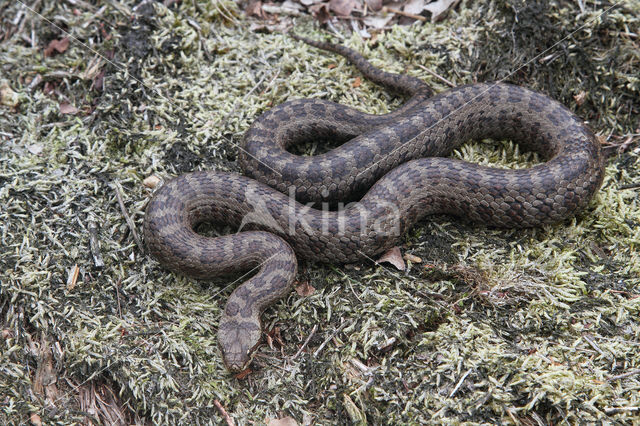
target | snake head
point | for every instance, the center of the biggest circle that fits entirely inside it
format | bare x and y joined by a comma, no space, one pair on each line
237,340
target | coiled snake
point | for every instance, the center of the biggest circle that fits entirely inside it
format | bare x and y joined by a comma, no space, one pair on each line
384,157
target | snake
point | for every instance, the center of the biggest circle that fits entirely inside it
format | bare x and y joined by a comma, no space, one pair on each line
391,168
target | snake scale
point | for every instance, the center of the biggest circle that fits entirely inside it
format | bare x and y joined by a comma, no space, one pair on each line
394,159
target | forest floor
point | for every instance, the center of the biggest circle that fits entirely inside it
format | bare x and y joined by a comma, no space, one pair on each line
485,326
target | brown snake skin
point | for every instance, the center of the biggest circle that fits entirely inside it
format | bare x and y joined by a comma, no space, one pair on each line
384,156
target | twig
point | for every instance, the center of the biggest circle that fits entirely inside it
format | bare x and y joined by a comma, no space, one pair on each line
438,76
403,13
328,339
223,412
117,286
127,218
595,346
464,376
614,410
306,342
275,10
630,186
623,375
72,279
94,244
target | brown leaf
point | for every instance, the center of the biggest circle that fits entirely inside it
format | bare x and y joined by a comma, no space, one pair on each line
151,181
285,421
374,5
98,82
357,82
244,374
49,87
320,11
59,46
305,289
67,108
344,7
580,97
255,9
394,257
412,258
35,419
7,96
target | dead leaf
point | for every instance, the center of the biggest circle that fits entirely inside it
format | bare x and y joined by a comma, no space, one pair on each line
151,181
394,257
45,379
67,108
7,96
36,148
98,82
35,419
93,68
305,289
580,98
374,5
414,6
357,82
285,421
440,8
437,8
344,7
378,21
320,11
412,258
255,9
243,374
59,46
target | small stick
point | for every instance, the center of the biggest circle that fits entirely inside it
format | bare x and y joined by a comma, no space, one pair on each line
306,342
630,186
614,410
117,286
438,76
127,218
272,9
595,346
223,412
403,13
94,244
328,339
464,376
623,375
73,277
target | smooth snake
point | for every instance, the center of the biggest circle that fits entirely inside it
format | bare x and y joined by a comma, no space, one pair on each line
394,159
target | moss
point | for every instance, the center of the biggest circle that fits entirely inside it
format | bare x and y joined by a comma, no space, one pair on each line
494,326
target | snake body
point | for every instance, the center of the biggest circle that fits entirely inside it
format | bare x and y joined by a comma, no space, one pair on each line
394,158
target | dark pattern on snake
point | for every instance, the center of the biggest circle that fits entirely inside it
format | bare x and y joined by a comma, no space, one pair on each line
386,157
